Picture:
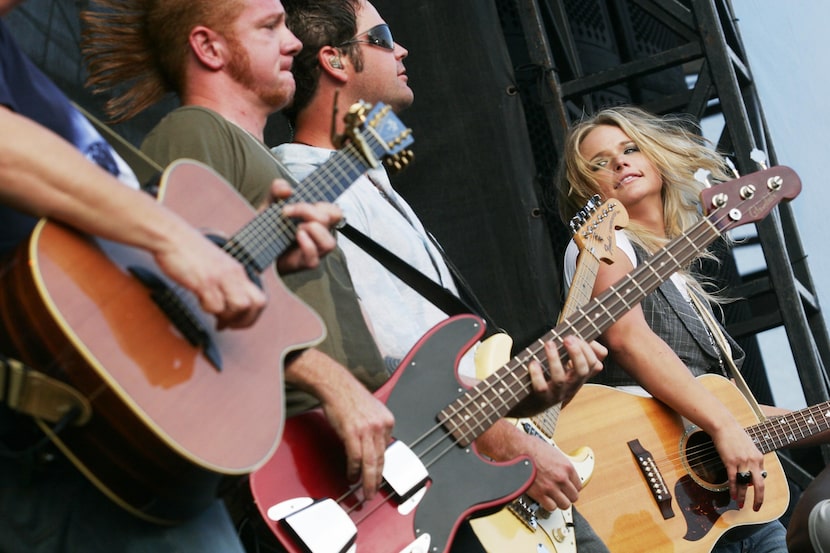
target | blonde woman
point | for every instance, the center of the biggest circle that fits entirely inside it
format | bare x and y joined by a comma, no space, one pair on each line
648,163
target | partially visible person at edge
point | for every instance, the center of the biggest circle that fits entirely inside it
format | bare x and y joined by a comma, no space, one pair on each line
229,63
809,528
54,164
648,164
349,55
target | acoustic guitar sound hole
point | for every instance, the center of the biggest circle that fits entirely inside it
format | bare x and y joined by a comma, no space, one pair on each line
703,462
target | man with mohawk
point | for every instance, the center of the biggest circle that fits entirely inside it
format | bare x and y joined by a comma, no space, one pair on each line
229,63
46,503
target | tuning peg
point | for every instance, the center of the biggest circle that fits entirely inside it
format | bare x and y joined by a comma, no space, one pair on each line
399,161
759,157
576,222
732,167
593,203
702,176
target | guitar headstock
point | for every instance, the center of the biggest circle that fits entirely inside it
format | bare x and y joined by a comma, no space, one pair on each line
750,198
379,135
593,227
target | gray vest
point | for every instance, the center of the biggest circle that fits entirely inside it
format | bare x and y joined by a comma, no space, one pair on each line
676,321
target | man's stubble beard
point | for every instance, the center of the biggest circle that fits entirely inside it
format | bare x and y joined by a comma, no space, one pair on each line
239,68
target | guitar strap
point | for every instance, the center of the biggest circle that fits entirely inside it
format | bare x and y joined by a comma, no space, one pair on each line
465,290
32,392
717,333
439,296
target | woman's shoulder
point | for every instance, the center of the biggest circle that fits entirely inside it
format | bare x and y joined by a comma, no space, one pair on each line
624,244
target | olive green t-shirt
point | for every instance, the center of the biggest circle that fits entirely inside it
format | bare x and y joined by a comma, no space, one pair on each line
198,133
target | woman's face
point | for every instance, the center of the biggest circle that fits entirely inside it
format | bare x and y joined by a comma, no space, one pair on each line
620,170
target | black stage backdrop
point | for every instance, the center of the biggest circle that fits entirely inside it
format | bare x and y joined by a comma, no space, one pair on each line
473,181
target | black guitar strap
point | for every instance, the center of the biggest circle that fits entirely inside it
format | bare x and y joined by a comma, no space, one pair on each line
439,296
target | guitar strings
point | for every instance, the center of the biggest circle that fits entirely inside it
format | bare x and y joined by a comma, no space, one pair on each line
343,168
769,435
687,249
339,168
617,304
611,302
270,233
530,353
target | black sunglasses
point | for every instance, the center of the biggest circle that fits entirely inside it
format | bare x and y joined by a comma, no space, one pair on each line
379,36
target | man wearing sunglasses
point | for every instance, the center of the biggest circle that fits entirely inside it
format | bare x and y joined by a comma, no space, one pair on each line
349,55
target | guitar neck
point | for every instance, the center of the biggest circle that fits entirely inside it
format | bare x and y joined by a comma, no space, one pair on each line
579,294
373,136
582,285
777,432
270,234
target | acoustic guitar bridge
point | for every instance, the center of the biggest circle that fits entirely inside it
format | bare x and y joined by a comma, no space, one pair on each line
654,478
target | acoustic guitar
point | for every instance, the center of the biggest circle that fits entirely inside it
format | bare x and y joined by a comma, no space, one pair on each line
175,403
660,487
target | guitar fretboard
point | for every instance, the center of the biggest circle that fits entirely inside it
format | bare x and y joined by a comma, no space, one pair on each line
593,234
580,293
777,432
382,137
270,234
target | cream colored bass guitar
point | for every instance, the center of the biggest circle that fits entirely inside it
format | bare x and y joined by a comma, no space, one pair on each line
525,526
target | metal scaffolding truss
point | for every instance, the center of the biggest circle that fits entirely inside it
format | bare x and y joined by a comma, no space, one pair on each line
674,56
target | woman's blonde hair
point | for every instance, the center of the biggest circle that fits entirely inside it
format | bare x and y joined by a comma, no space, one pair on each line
669,144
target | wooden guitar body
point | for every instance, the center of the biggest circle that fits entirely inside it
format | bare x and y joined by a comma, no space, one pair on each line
166,422
620,504
175,404
523,525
